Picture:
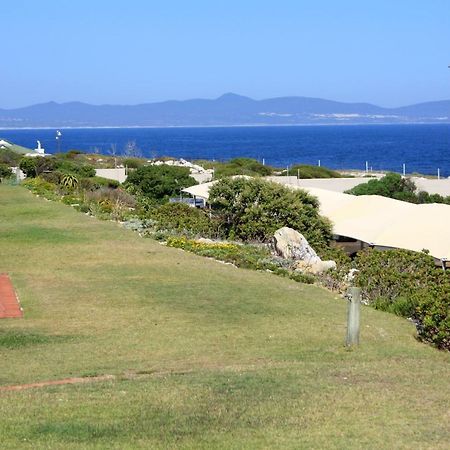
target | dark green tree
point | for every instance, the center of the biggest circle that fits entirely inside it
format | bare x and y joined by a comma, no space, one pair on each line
253,209
392,185
28,166
160,182
5,171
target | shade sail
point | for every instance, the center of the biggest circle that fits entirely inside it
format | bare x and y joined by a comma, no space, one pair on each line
379,221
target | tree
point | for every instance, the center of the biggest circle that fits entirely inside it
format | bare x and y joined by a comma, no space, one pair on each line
160,182
28,166
5,171
253,209
392,185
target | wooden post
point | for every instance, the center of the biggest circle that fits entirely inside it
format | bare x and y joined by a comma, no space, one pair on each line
353,313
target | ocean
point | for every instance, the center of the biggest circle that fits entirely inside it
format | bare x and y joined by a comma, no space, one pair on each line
422,148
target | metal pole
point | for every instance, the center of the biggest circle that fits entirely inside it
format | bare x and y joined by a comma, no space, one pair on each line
439,174
353,316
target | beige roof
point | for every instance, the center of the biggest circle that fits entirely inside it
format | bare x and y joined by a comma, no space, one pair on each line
200,190
379,221
385,222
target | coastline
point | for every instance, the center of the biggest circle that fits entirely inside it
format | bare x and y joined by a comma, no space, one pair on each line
163,127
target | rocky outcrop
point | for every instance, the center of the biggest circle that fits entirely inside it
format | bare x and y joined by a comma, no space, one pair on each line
290,244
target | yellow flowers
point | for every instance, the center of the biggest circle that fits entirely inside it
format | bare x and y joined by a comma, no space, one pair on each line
195,246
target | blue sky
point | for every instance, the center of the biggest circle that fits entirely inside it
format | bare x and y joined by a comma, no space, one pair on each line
125,52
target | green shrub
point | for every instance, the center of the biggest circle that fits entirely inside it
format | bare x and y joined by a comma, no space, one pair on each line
75,168
392,185
9,157
28,166
408,284
184,219
432,313
307,171
245,256
5,171
133,163
253,209
94,183
41,187
160,182
237,166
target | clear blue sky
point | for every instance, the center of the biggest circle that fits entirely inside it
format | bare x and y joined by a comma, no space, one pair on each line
389,52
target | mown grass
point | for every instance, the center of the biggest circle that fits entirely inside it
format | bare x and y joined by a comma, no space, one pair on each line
228,358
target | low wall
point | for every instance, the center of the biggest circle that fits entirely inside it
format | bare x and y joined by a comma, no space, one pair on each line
118,174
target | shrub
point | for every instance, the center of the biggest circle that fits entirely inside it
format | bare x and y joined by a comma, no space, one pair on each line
133,163
253,209
28,166
41,187
245,256
392,185
387,275
9,157
5,171
160,182
307,171
408,284
93,183
237,166
432,313
183,219
75,168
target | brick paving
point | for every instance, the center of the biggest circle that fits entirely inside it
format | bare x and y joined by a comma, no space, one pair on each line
9,303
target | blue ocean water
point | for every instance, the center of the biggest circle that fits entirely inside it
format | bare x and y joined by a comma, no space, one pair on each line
423,148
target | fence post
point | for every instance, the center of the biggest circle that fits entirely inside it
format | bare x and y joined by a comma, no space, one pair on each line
353,313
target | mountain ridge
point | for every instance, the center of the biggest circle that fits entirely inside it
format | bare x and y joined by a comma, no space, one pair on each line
229,109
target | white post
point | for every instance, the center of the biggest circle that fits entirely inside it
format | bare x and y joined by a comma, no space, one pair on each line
439,174
367,166
264,162
319,163
404,169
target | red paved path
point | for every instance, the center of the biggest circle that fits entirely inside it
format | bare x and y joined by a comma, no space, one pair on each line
9,304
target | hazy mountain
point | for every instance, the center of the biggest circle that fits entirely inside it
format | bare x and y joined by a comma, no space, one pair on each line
229,109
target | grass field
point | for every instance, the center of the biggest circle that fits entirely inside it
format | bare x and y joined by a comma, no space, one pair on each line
205,355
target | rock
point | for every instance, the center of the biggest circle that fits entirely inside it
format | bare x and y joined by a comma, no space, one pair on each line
316,268
205,241
291,244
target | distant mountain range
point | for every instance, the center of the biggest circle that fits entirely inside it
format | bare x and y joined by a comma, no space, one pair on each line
227,110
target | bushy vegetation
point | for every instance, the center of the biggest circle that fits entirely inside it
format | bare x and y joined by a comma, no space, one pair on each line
307,171
393,185
159,183
247,256
253,209
237,166
5,171
184,220
408,284
9,157
250,210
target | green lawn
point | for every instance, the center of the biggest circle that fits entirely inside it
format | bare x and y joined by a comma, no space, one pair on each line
206,355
